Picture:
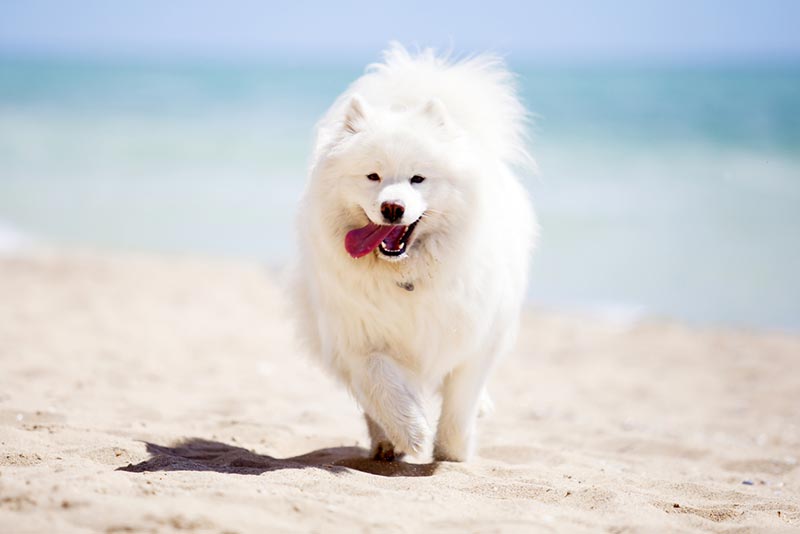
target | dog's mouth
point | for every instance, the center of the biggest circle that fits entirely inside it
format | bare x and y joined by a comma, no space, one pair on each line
396,243
391,241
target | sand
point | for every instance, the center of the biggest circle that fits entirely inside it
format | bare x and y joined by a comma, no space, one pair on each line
166,394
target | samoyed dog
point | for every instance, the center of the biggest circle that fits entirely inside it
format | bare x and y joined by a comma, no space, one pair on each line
415,235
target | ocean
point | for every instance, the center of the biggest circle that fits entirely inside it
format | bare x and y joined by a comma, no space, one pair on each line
664,190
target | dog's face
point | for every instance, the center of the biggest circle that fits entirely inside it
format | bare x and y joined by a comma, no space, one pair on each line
394,176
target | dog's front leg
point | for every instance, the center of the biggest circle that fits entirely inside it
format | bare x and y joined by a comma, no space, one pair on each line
391,400
461,393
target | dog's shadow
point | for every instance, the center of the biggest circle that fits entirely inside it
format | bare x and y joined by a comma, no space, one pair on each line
196,454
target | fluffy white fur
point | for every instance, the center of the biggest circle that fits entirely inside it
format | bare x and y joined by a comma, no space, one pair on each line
438,317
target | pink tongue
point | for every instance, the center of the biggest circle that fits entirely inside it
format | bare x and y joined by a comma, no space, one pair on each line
362,241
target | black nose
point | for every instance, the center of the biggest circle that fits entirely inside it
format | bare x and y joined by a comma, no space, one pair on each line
392,211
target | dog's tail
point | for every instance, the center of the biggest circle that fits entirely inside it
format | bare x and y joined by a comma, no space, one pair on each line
478,93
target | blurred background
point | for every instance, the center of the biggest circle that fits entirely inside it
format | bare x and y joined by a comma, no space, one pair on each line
667,133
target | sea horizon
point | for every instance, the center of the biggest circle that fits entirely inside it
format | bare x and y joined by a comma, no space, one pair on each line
664,189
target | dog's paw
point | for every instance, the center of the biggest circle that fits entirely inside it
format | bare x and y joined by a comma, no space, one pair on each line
384,451
453,444
445,453
412,437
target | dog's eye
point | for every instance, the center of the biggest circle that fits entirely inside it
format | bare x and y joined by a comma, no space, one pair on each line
417,179
374,177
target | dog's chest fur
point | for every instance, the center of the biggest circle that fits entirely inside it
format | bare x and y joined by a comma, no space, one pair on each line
430,329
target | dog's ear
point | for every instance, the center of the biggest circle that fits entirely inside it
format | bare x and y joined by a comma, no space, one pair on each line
435,111
355,114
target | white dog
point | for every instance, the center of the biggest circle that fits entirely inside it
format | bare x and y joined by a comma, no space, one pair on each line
415,236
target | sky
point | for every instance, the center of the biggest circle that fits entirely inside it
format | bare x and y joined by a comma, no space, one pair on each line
349,29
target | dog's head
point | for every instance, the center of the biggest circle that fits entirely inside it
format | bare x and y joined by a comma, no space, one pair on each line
396,178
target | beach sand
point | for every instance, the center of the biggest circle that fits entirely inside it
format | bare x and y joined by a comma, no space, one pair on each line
165,394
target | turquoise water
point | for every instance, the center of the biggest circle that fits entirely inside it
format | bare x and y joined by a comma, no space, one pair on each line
670,191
